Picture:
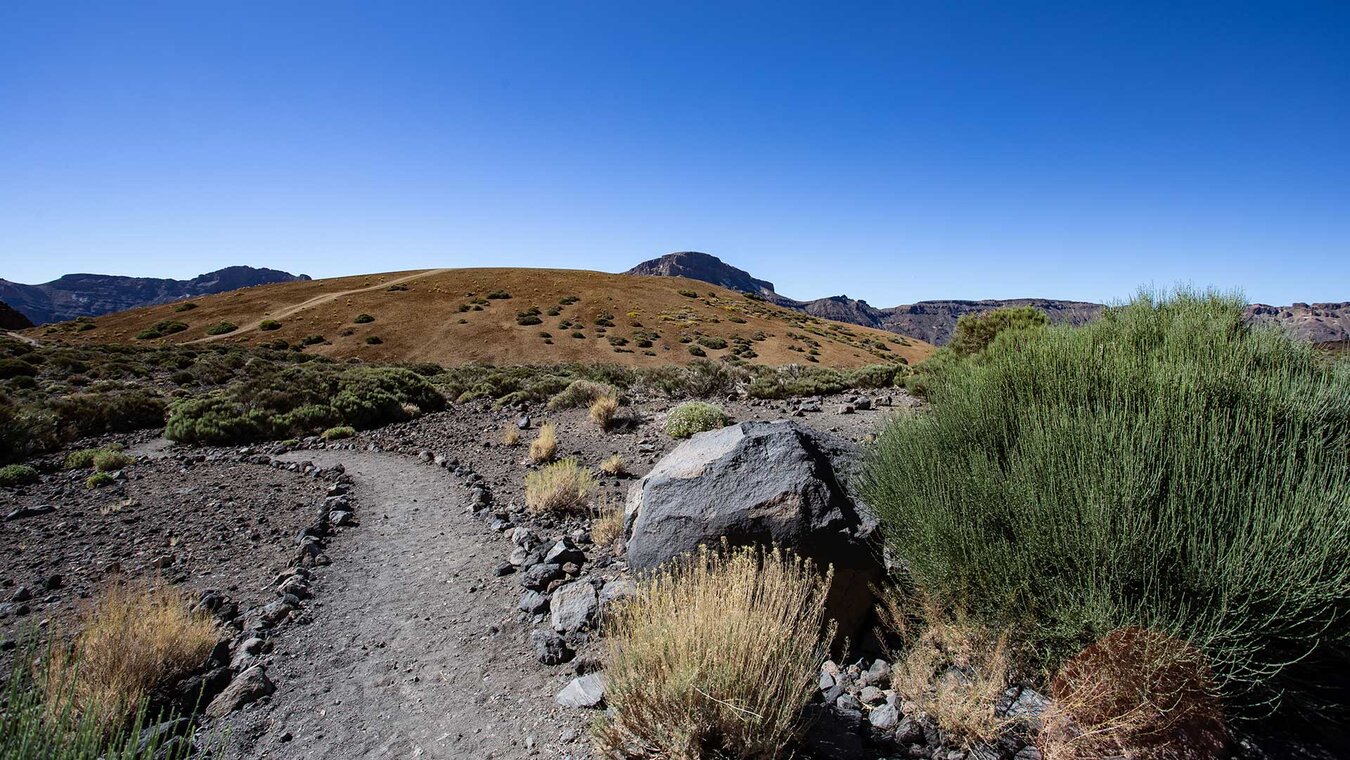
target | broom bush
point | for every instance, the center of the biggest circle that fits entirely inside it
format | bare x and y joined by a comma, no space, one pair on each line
1166,466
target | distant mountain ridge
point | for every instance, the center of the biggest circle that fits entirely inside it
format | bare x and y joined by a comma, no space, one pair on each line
935,321
92,295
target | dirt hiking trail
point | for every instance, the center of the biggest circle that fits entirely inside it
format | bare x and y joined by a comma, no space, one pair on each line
416,648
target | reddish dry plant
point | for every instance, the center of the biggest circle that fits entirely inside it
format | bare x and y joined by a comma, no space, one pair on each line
1136,694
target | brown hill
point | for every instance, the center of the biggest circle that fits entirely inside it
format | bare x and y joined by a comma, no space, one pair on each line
10,319
507,316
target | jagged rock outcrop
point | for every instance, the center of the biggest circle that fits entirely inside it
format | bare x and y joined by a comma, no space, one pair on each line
90,295
705,268
935,321
11,319
1327,323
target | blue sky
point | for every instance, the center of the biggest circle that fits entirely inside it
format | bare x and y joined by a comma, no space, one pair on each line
893,151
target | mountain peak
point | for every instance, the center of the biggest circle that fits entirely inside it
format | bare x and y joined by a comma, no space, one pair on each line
696,265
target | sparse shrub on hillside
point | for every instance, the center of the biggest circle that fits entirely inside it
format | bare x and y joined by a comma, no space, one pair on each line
580,393
711,341
1165,467
373,340
688,293
715,657
99,480
498,295
578,334
613,465
339,432
312,340
17,475
797,380
526,319
185,306
696,351
545,444
105,460
511,435
269,324
974,332
603,412
363,319
568,300
135,639
221,328
161,328
10,368
694,417
561,486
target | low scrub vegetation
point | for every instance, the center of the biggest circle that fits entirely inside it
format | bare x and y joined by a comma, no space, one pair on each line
580,393
561,486
134,639
614,465
511,435
221,328
103,460
545,444
17,475
607,522
338,432
604,412
694,417
715,657
1166,467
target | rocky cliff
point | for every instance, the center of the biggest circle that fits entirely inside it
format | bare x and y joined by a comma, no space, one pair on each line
11,319
90,295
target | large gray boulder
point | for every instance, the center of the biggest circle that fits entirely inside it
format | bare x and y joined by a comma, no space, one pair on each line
764,483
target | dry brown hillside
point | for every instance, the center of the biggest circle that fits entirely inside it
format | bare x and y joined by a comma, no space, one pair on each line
507,316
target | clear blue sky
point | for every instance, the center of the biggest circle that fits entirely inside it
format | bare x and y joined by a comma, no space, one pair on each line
893,151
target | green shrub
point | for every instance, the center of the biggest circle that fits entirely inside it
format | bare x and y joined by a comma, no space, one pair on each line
221,328
339,432
696,351
694,417
99,480
581,393
105,460
710,341
312,340
974,332
688,293
1166,467
268,325
185,306
498,295
82,459
10,368
161,328
373,340
525,318
17,475
363,319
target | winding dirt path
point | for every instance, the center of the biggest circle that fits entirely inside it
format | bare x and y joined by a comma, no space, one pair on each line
416,649
317,300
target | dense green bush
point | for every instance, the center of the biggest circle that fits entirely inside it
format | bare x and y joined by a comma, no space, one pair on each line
269,324
798,380
694,417
221,328
185,306
17,475
976,331
362,319
161,328
302,400
10,368
581,393
1166,466
339,432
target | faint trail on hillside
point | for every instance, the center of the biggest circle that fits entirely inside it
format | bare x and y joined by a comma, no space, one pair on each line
416,648
23,338
317,300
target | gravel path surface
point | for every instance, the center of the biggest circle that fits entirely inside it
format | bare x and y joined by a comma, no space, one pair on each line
416,649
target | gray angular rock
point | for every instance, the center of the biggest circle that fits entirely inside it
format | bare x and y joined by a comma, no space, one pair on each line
564,551
539,576
761,483
533,602
617,589
584,691
249,686
884,717
549,647
574,606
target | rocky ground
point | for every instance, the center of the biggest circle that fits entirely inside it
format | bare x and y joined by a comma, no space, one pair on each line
396,630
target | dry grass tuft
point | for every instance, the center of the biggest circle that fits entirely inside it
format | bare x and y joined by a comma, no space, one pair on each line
545,445
603,412
581,393
558,487
606,523
953,669
613,466
133,639
715,657
1138,694
511,435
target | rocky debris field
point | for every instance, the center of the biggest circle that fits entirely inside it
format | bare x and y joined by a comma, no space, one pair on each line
385,595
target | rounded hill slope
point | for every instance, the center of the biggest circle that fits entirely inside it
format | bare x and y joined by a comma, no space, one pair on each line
505,316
